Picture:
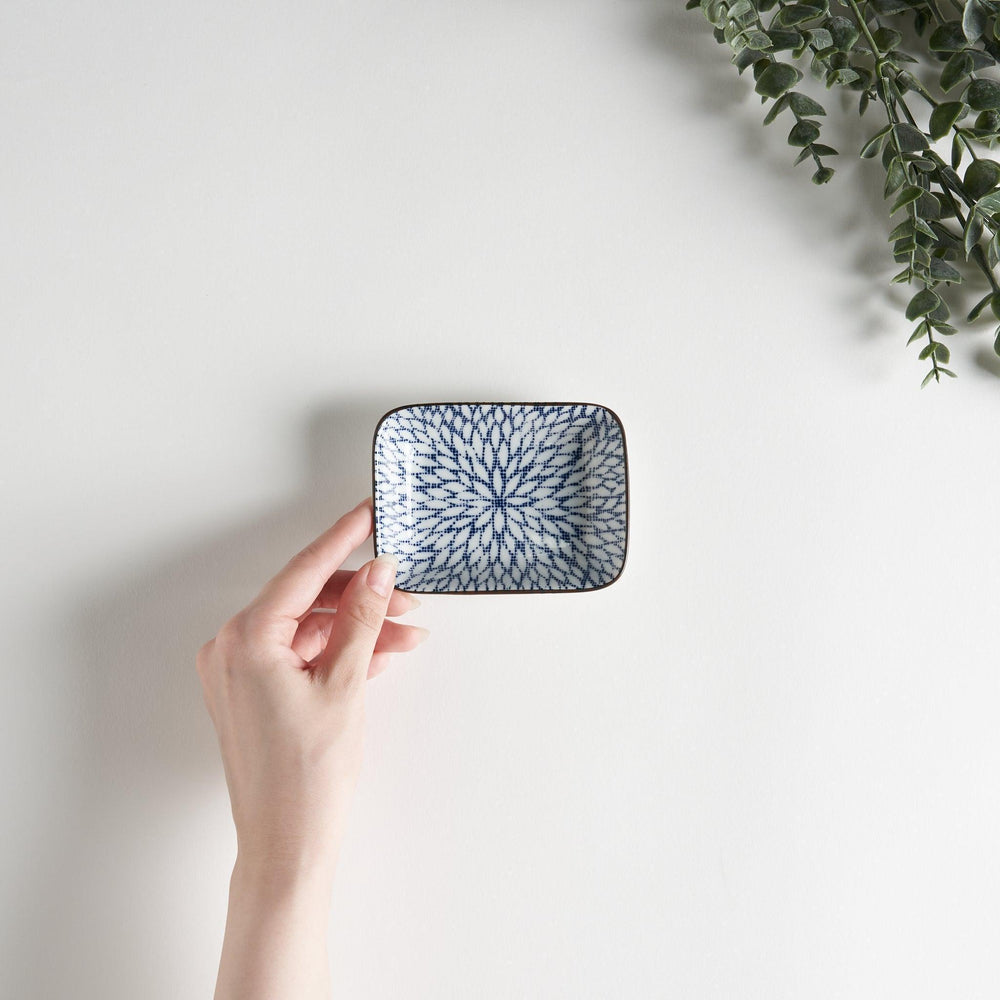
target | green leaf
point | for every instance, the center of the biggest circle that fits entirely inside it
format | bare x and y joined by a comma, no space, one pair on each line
944,116
889,6
910,138
945,329
908,195
922,227
996,343
874,145
941,270
905,228
978,308
744,59
949,37
931,374
947,371
988,121
917,334
820,37
844,31
803,105
958,67
842,77
938,350
983,95
956,151
803,133
799,14
902,278
989,203
924,302
981,177
887,39
928,206
864,80
776,108
945,238
973,232
782,41
973,21
895,176
940,314
820,150
822,175
757,39
980,59
951,178
776,79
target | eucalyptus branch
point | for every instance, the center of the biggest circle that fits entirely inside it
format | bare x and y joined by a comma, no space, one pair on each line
856,45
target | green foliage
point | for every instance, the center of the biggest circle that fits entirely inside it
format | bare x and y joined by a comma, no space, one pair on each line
776,78
922,304
944,117
981,177
983,95
927,65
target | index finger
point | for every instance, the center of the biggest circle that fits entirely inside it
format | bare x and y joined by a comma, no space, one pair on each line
292,592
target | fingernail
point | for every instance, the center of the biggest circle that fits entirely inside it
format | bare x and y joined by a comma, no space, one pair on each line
382,573
422,633
414,603
367,500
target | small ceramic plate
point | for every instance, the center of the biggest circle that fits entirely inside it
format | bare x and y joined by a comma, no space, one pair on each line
480,498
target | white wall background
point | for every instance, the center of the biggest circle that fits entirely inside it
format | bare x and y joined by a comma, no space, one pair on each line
764,764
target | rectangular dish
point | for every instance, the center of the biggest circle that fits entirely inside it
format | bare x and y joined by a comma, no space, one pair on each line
501,497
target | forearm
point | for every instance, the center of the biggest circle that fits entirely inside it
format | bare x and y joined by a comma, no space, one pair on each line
286,692
275,943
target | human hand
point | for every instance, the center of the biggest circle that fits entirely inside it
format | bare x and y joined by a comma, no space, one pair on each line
285,688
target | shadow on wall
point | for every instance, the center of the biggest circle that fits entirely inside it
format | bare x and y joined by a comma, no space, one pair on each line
91,901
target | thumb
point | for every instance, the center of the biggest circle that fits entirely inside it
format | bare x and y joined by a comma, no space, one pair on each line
360,614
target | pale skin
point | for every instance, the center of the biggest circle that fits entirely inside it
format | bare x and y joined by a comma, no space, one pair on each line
285,687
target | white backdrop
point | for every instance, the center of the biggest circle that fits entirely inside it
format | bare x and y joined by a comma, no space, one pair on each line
762,764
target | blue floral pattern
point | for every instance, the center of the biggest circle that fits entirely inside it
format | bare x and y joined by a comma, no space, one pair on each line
501,496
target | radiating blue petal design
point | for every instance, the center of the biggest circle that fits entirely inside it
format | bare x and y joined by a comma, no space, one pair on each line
502,496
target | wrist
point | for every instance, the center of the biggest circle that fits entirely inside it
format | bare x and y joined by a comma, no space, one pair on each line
276,931
273,879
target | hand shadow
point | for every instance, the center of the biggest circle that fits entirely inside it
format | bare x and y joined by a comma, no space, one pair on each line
90,905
